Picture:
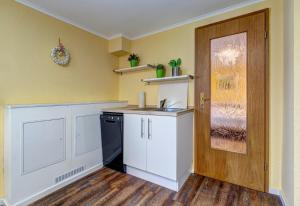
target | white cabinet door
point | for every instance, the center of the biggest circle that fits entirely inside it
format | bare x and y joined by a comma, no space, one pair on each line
88,134
161,146
135,141
43,144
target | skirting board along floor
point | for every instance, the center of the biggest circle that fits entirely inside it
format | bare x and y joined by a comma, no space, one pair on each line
280,194
54,188
164,182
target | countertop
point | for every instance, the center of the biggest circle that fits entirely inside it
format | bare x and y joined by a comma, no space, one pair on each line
132,110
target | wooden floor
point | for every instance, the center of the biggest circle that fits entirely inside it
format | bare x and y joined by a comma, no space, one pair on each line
107,187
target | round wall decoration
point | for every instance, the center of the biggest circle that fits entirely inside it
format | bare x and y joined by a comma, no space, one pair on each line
60,55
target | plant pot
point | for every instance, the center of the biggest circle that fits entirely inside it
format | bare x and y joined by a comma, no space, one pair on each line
134,63
160,73
176,71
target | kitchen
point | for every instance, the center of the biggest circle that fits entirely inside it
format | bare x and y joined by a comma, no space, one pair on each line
138,108
126,138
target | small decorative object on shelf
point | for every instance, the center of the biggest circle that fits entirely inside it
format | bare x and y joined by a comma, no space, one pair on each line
175,64
60,54
160,71
134,60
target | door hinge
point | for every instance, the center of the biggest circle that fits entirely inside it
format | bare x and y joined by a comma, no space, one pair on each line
266,34
266,167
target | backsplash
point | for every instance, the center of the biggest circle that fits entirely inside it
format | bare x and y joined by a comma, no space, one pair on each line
175,93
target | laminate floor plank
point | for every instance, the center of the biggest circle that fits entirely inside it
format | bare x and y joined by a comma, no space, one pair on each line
107,187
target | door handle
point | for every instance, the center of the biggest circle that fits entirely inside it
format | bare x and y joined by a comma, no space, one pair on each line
149,129
203,99
142,128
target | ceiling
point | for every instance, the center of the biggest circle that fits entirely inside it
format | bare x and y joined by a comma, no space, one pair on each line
132,18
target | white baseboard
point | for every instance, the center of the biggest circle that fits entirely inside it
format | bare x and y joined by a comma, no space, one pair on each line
156,179
53,188
280,194
184,178
168,183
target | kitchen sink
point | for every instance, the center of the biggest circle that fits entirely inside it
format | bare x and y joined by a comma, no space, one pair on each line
171,109
146,109
159,109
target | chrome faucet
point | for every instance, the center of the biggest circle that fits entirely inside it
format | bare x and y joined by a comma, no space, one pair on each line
162,103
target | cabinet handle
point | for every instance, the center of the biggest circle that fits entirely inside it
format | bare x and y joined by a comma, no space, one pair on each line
149,129
142,128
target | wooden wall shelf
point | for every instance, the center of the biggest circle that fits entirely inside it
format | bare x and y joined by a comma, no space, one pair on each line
166,79
133,69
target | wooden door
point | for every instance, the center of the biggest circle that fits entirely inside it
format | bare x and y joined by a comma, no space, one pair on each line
135,144
231,101
161,146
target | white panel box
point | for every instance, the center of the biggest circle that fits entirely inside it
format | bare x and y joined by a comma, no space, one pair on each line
88,134
40,140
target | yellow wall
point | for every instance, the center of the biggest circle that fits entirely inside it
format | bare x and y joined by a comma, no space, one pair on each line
288,124
297,100
119,46
28,75
1,153
179,42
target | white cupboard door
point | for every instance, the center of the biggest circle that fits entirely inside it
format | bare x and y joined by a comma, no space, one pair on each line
43,144
88,134
135,141
161,146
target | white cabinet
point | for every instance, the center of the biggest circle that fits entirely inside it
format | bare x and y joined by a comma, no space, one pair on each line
135,146
49,146
151,148
161,146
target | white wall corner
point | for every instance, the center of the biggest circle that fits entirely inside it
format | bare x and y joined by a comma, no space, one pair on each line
281,195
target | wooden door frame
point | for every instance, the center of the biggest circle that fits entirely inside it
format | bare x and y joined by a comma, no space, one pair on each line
267,87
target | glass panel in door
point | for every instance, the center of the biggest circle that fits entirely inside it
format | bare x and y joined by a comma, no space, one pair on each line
228,115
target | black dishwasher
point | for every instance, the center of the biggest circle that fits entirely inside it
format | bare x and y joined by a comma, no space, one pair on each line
112,140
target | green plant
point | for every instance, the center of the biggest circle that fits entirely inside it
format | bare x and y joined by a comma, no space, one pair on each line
160,66
160,71
175,63
133,57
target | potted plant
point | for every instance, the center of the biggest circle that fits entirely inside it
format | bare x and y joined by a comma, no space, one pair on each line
160,71
175,64
134,60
